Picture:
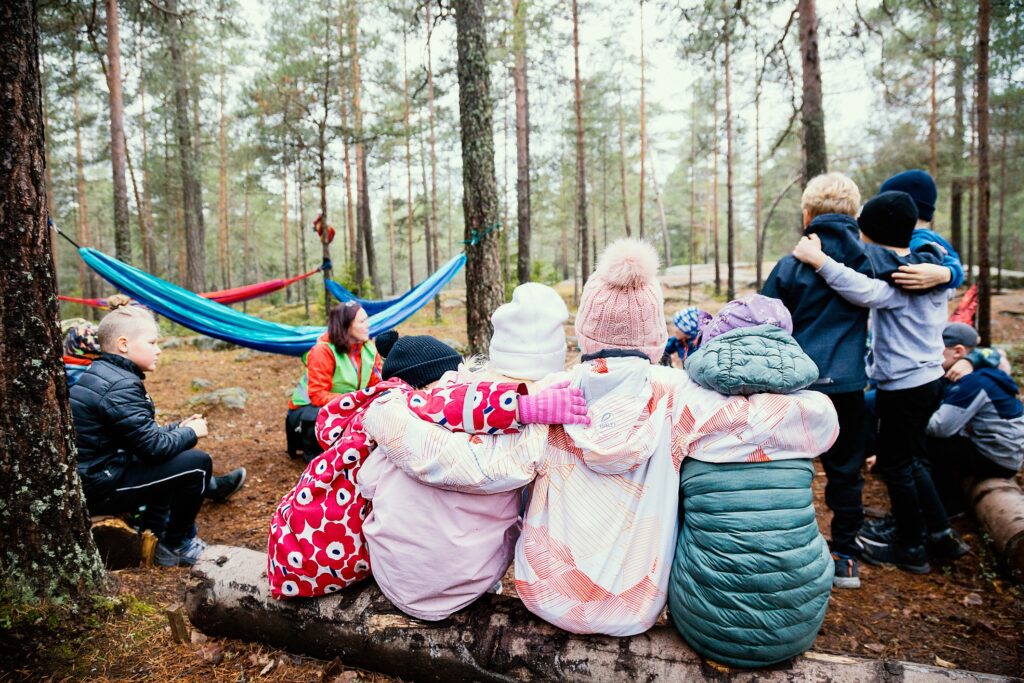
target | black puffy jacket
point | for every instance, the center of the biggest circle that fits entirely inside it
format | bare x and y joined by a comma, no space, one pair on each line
115,421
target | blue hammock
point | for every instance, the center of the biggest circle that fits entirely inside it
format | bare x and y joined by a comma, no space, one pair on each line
222,322
374,306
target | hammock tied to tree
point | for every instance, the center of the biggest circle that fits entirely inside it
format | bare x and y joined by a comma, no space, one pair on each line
214,319
233,295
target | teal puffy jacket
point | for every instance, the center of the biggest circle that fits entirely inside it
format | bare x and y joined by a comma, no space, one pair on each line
752,574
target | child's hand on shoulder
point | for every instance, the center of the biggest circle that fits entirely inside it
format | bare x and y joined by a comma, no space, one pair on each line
197,423
808,250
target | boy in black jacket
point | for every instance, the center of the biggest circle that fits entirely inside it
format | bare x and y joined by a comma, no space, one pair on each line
833,332
125,459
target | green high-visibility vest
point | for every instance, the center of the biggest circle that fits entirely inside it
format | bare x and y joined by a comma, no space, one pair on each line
344,379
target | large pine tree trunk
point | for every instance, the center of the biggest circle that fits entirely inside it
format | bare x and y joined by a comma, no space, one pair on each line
519,79
484,289
813,114
195,231
581,168
47,550
981,103
730,230
122,230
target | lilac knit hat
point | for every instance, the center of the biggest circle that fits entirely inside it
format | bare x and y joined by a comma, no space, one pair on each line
622,306
749,311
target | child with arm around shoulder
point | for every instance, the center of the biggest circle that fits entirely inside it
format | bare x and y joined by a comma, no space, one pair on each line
906,361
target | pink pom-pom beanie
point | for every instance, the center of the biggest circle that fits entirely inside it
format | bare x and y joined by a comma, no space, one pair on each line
622,306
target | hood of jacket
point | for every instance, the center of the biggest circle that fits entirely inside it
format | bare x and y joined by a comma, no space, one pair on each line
625,423
752,360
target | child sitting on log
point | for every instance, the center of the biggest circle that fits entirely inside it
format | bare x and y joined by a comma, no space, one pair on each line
316,543
125,459
433,551
752,573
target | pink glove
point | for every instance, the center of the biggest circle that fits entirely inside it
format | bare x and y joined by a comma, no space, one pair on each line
556,405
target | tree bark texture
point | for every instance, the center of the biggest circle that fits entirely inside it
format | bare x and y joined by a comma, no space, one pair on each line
494,640
122,230
519,79
813,113
484,288
46,550
581,163
984,192
195,231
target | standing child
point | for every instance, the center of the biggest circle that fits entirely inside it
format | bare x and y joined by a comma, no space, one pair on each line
833,332
125,459
906,361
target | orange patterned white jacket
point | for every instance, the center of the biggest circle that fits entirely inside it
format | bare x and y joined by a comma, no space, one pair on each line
601,524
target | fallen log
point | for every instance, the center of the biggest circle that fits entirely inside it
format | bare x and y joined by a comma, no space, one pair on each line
496,639
999,506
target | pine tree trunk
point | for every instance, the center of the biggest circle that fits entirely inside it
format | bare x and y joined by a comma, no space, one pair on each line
48,551
643,128
122,230
367,231
350,223
408,158
730,230
325,239
1002,200
284,217
581,168
519,79
813,114
247,256
714,199
691,233
224,247
435,234
195,232
427,231
957,188
981,103
659,202
484,289
391,236
622,168
82,232
364,228
758,242
148,236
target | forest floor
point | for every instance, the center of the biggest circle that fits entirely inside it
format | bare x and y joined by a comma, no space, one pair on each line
969,615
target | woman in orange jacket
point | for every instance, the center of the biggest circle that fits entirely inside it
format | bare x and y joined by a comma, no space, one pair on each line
342,360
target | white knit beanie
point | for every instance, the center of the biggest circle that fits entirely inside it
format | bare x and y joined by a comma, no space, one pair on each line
529,340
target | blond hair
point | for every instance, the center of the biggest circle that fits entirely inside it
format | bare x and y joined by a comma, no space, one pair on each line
123,320
830,193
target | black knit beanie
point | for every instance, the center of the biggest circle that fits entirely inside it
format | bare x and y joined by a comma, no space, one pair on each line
921,188
420,360
384,341
889,218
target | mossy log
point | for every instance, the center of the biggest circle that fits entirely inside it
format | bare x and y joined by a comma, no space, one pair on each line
495,639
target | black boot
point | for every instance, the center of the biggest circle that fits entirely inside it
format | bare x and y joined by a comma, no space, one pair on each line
223,487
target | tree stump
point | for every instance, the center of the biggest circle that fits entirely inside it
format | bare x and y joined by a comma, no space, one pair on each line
121,546
495,639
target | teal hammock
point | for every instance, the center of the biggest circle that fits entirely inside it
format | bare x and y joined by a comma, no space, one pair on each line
222,322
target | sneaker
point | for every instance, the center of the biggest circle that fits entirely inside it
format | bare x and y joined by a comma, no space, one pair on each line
185,555
878,531
946,546
223,487
846,575
911,559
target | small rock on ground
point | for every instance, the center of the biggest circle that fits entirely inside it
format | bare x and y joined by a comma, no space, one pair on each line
229,397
